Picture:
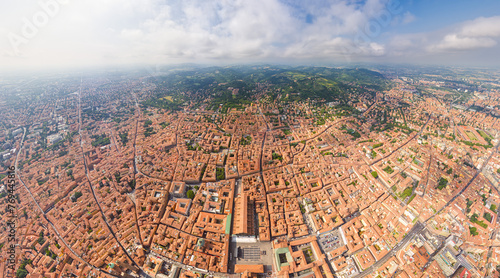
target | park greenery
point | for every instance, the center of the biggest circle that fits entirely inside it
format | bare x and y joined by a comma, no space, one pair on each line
220,173
388,170
442,183
100,140
190,194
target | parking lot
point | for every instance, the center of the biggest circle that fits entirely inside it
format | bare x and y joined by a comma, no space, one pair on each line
331,241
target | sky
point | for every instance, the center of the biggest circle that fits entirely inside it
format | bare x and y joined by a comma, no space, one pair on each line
38,34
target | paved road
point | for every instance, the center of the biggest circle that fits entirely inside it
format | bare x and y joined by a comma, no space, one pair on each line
397,149
45,216
262,146
324,130
188,267
478,171
135,169
428,172
135,135
414,231
431,256
110,229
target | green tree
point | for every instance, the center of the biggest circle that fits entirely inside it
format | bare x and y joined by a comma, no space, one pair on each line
220,173
487,216
21,273
473,231
442,183
190,194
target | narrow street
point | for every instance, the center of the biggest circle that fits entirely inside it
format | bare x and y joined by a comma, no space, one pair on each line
110,229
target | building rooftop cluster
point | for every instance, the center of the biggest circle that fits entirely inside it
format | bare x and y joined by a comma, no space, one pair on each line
407,185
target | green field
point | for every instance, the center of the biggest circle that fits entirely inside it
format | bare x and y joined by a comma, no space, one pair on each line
296,75
483,134
169,98
388,170
471,135
325,82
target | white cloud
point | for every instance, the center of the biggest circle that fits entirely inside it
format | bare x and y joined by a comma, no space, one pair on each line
475,34
482,27
131,34
117,31
155,31
457,42
408,18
